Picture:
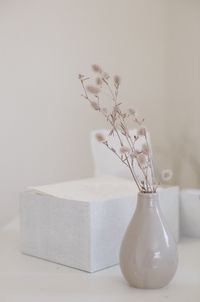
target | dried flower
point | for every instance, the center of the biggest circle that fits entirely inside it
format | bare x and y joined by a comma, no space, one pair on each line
116,109
100,138
166,174
80,76
116,80
131,111
141,159
106,75
95,106
141,131
133,155
111,132
99,81
142,172
96,68
124,149
145,149
93,89
105,110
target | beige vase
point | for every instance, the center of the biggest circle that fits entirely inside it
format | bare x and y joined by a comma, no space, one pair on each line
148,255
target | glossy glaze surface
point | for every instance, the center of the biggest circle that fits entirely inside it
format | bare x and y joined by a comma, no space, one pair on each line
148,255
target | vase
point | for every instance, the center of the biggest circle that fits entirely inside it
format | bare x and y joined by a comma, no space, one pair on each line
148,254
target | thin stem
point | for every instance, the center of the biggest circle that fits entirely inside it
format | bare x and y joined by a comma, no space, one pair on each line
131,145
134,177
110,89
113,119
150,160
110,148
126,163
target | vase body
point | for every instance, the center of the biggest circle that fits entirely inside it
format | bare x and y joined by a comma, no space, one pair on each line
148,255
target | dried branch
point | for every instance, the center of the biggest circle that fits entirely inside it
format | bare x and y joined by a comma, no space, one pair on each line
139,162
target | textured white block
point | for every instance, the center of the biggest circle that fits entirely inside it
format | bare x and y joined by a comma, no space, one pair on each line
81,223
190,213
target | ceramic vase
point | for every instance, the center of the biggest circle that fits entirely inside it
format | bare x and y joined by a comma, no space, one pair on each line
148,255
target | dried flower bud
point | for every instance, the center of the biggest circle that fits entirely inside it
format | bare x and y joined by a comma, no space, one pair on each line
96,68
95,106
141,159
116,109
131,111
166,174
124,149
93,89
145,149
100,138
106,75
141,131
132,155
117,80
80,76
99,81
111,132
105,110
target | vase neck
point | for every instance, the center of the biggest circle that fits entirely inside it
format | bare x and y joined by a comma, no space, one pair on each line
148,200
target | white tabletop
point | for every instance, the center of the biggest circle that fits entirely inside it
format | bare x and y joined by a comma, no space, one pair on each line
24,278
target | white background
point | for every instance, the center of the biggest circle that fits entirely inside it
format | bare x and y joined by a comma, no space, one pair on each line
44,124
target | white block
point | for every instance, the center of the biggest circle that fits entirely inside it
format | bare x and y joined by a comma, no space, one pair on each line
190,212
81,223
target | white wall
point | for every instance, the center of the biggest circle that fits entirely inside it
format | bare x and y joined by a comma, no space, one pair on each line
183,111
45,124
